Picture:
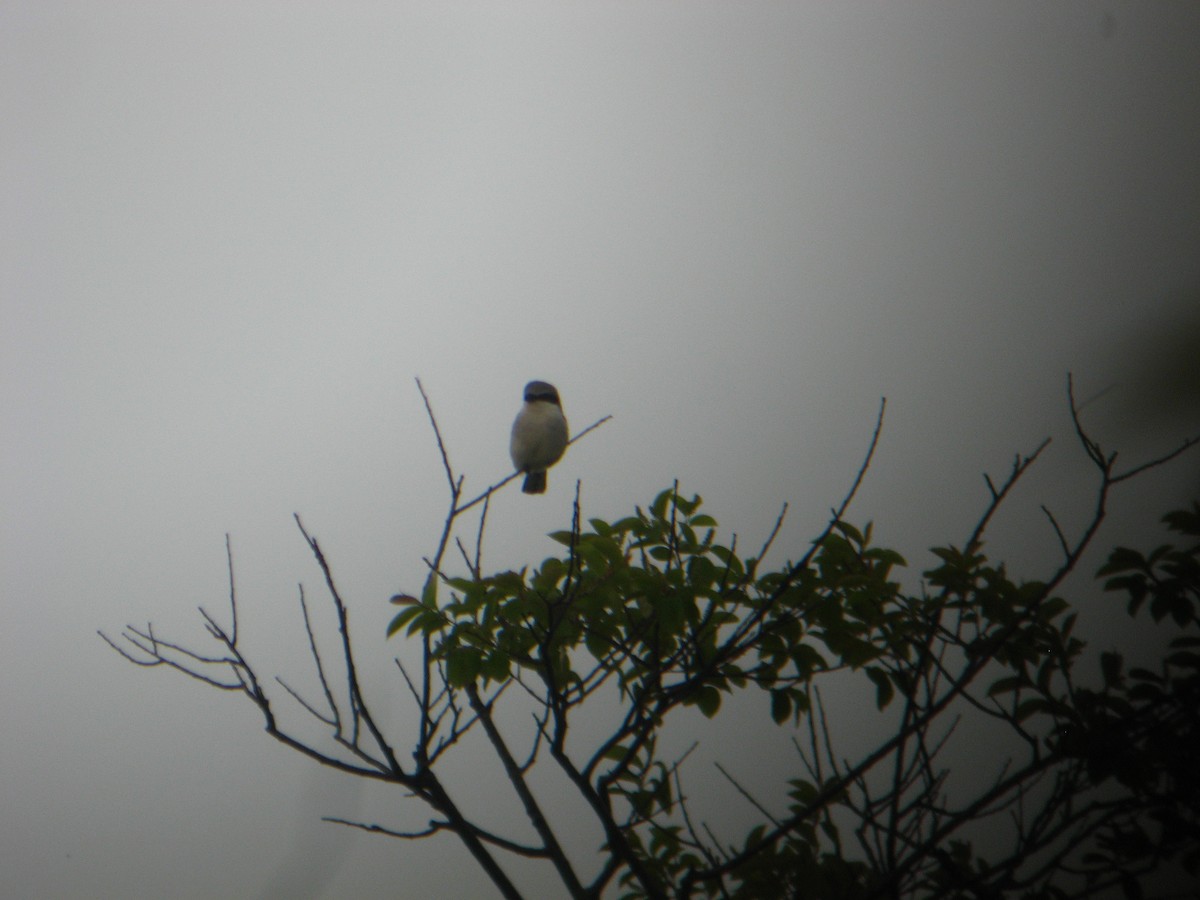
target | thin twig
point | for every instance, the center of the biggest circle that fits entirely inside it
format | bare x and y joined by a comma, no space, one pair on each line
434,828
745,793
1062,538
487,492
331,722
233,632
437,433
312,643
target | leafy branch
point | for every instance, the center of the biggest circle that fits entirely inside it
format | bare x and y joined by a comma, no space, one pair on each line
642,617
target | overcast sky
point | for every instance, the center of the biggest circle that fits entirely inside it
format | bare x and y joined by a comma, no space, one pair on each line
234,232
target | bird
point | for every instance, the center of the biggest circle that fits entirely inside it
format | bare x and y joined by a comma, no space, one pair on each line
539,435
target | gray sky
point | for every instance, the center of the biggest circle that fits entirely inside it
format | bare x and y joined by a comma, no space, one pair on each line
233,233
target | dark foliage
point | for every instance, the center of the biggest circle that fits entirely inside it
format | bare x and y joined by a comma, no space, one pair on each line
653,613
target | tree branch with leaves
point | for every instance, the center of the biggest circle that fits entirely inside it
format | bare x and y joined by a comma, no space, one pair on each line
642,617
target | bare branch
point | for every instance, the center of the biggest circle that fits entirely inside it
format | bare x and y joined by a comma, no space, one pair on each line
478,567
156,643
773,534
455,484
749,797
1019,468
148,663
533,810
330,721
436,825
140,640
1062,538
462,551
1089,445
359,709
1154,463
312,643
434,828
232,589
590,428
463,507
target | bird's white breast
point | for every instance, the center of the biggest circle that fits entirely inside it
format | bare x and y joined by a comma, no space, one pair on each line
539,436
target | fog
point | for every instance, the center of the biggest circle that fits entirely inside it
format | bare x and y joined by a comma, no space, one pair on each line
234,233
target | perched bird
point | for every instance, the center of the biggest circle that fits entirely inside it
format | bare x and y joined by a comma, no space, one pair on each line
539,435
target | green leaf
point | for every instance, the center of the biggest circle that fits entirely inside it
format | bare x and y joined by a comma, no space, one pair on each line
1052,608
1122,559
463,666
830,830
1005,685
427,621
701,573
708,699
429,593
1183,658
548,576
807,660
730,559
884,691
403,617
1184,521
850,532
854,651
597,644
1110,668
496,667
1028,707
781,705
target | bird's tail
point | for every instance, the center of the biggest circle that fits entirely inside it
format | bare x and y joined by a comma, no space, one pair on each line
535,483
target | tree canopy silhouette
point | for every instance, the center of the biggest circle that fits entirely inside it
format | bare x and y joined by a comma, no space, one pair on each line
639,618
